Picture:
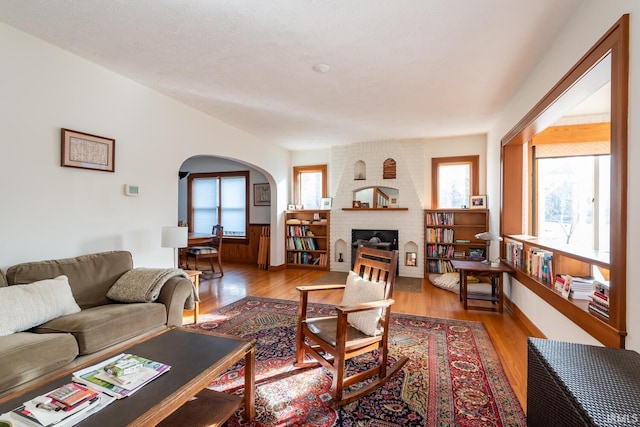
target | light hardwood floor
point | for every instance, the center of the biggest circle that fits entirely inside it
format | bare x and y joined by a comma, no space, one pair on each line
509,336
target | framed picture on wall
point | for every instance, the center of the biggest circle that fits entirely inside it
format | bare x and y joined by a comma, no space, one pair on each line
478,202
325,203
261,194
86,151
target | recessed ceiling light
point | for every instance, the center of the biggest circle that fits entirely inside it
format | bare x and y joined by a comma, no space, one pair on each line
321,68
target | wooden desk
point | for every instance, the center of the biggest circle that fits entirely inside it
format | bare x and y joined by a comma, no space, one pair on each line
194,275
199,239
479,269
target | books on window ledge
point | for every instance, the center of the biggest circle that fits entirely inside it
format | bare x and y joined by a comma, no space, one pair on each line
97,378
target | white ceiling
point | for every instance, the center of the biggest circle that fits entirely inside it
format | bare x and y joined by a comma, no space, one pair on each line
398,68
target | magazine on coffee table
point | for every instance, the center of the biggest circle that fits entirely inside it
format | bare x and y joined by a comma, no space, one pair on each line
120,386
45,411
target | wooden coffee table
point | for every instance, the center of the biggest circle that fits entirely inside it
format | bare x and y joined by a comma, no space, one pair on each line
196,358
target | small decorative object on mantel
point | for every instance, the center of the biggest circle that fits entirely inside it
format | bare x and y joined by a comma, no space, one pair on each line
389,169
86,151
478,202
411,259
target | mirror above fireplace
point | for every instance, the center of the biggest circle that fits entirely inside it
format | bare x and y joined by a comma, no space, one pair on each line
375,198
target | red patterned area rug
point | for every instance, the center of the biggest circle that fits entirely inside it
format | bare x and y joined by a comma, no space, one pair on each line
453,378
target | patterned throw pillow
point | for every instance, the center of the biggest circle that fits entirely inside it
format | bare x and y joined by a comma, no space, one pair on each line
358,290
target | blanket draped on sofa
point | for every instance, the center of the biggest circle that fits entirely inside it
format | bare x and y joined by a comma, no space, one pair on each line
144,285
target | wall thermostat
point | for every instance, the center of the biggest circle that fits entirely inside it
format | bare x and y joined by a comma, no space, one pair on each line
131,190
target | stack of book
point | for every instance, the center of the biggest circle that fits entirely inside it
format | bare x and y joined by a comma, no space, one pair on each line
581,287
62,407
599,297
121,375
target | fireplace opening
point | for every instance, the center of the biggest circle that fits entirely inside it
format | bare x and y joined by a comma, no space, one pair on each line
378,239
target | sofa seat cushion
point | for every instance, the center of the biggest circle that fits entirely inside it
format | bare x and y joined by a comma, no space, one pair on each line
100,327
25,356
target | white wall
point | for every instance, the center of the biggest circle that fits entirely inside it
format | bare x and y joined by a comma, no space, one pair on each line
590,22
52,212
467,145
311,158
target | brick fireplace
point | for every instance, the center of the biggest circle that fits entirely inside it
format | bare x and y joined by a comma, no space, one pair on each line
358,166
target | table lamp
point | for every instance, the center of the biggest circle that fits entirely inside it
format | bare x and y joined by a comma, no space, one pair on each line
488,237
174,237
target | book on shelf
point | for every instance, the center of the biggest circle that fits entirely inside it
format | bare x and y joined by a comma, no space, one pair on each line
440,218
558,284
581,287
439,235
514,253
576,294
440,251
97,378
598,309
564,284
599,298
566,288
538,263
602,287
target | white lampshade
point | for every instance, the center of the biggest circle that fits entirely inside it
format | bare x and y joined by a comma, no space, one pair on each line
487,235
174,237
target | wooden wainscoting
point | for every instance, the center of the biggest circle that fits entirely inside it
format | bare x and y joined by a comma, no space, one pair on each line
245,252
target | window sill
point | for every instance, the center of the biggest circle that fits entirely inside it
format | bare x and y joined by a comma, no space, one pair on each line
375,209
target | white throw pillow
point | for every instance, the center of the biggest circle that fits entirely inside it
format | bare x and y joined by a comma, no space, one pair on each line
26,306
358,290
449,281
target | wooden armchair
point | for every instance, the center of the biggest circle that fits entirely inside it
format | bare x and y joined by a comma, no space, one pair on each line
361,325
210,252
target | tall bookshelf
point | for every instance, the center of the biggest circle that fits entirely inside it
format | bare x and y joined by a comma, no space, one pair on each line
450,234
307,239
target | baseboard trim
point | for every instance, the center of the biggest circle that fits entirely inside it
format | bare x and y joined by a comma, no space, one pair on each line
516,313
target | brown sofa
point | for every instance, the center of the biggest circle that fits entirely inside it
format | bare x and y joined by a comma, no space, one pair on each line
101,323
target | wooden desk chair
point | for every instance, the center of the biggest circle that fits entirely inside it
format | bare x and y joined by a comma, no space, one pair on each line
361,325
210,252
